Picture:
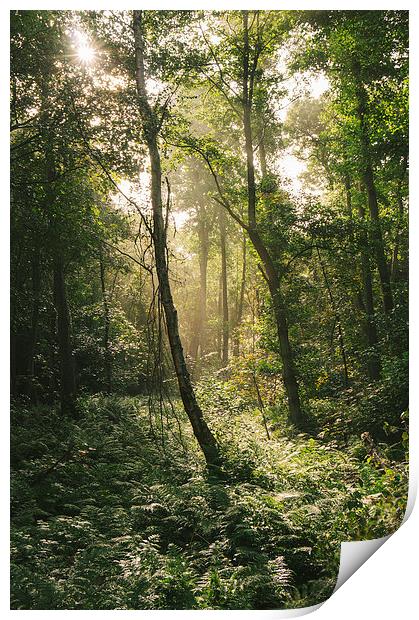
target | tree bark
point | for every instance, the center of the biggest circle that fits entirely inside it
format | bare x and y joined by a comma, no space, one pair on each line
373,362
289,374
240,303
65,351
224,290
337,319
151,127
199,341
367,175
106,327
288,368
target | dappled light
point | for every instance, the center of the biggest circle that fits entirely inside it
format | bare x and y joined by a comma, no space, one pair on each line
209,282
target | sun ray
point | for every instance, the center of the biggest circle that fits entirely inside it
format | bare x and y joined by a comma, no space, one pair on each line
84,51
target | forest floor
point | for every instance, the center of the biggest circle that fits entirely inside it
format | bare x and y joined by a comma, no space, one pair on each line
116,511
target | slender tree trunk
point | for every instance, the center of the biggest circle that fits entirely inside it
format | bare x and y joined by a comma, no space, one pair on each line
23,345
394,273
262,158
203,272
220,318
395,263
369,182
150,124
106,328
373,363
289,375
65,351
240,303
199,339
288,368
378,243
36,292
337,319
365,299
36,302
224,294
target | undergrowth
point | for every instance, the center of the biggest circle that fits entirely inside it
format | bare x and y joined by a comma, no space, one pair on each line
114,513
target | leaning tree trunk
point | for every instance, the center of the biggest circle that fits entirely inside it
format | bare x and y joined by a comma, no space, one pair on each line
150,125
288,369
271,273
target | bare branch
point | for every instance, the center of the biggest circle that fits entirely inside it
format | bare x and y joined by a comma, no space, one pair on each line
141,264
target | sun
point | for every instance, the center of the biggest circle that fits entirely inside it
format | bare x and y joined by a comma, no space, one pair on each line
84,51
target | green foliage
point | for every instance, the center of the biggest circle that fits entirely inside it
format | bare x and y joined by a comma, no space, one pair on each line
104,517
115,509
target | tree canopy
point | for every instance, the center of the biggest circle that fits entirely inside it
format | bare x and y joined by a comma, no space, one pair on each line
209,279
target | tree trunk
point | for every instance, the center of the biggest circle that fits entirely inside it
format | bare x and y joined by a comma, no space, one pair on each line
23,345
365,299
262,158
219,336
378,243
240,303
65,350
395,262
373,363
68,381
289,375
288,368
337,319
224,290
199,340
36,302
150,124
367,175
106,328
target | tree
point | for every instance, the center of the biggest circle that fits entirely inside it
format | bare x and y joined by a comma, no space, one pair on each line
151,128
249,46
362,72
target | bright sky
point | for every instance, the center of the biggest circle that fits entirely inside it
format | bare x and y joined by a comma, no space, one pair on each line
85,52
289,165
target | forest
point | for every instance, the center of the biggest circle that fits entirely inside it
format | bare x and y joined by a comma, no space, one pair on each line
209,303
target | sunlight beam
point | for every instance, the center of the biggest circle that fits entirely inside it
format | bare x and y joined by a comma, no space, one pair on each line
84,51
